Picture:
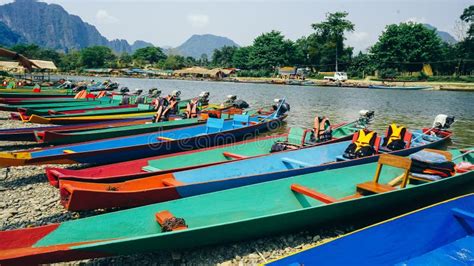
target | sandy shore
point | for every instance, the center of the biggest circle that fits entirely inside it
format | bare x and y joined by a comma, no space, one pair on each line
27,199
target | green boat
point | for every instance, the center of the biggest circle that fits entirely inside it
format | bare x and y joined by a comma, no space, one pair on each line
43,108
55,138
270,208
140,168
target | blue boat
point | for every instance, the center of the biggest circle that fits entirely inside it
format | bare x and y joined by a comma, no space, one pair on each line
214,132
406,88
441,234
181,184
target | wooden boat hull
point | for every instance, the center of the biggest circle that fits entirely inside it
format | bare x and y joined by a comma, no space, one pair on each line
34,95
85,119
138,146
55,138
28,133
43,108
186,160
15,101
227,216
408,88
171,185
435,235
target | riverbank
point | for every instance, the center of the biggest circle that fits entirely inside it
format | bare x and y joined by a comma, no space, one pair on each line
351,83
27,199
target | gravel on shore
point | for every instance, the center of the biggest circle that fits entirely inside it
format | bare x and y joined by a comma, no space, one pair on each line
27,199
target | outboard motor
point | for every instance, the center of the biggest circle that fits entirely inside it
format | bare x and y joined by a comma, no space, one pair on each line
241,104
443,122
154,92
140,98
365,117
124,90
175,94
284,108
204,98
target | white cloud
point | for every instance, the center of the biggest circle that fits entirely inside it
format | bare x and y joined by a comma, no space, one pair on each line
198,20
103,16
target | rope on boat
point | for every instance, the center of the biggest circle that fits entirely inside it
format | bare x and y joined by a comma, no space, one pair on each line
172,223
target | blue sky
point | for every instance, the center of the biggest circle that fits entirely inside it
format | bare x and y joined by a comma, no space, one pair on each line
169,23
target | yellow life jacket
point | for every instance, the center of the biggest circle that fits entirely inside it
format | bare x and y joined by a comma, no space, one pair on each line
364,139
396,133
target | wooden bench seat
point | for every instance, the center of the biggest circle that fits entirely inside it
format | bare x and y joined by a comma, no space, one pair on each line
373,188
312,193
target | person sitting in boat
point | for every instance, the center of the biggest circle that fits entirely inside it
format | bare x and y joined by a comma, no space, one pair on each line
395,137
322,130
204,98
362,145
284,107
166,106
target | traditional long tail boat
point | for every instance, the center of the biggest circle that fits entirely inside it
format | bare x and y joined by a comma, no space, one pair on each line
43,108
407,88
56,138
28,133
269,208
187,160
17,101
214,132
440,234
179,184
48,94
142,110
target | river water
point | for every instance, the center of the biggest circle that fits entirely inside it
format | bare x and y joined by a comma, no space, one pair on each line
414,109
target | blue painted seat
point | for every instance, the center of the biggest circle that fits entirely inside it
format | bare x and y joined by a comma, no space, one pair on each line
214,123
240,121
289,162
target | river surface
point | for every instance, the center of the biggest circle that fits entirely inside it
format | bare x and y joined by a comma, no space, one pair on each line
414,109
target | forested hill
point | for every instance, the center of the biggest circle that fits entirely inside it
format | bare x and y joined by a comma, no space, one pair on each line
50,26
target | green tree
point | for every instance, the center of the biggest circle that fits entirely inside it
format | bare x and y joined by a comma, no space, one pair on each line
97,56
325,46
70,61
33,51
406,46
173,62
149,55
361,66
241,57
125,60
466,46
223,57
271,50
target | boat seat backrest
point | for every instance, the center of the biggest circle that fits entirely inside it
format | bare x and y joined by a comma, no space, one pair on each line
240,121
407,138
378,141
390,160
216,123
297,136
